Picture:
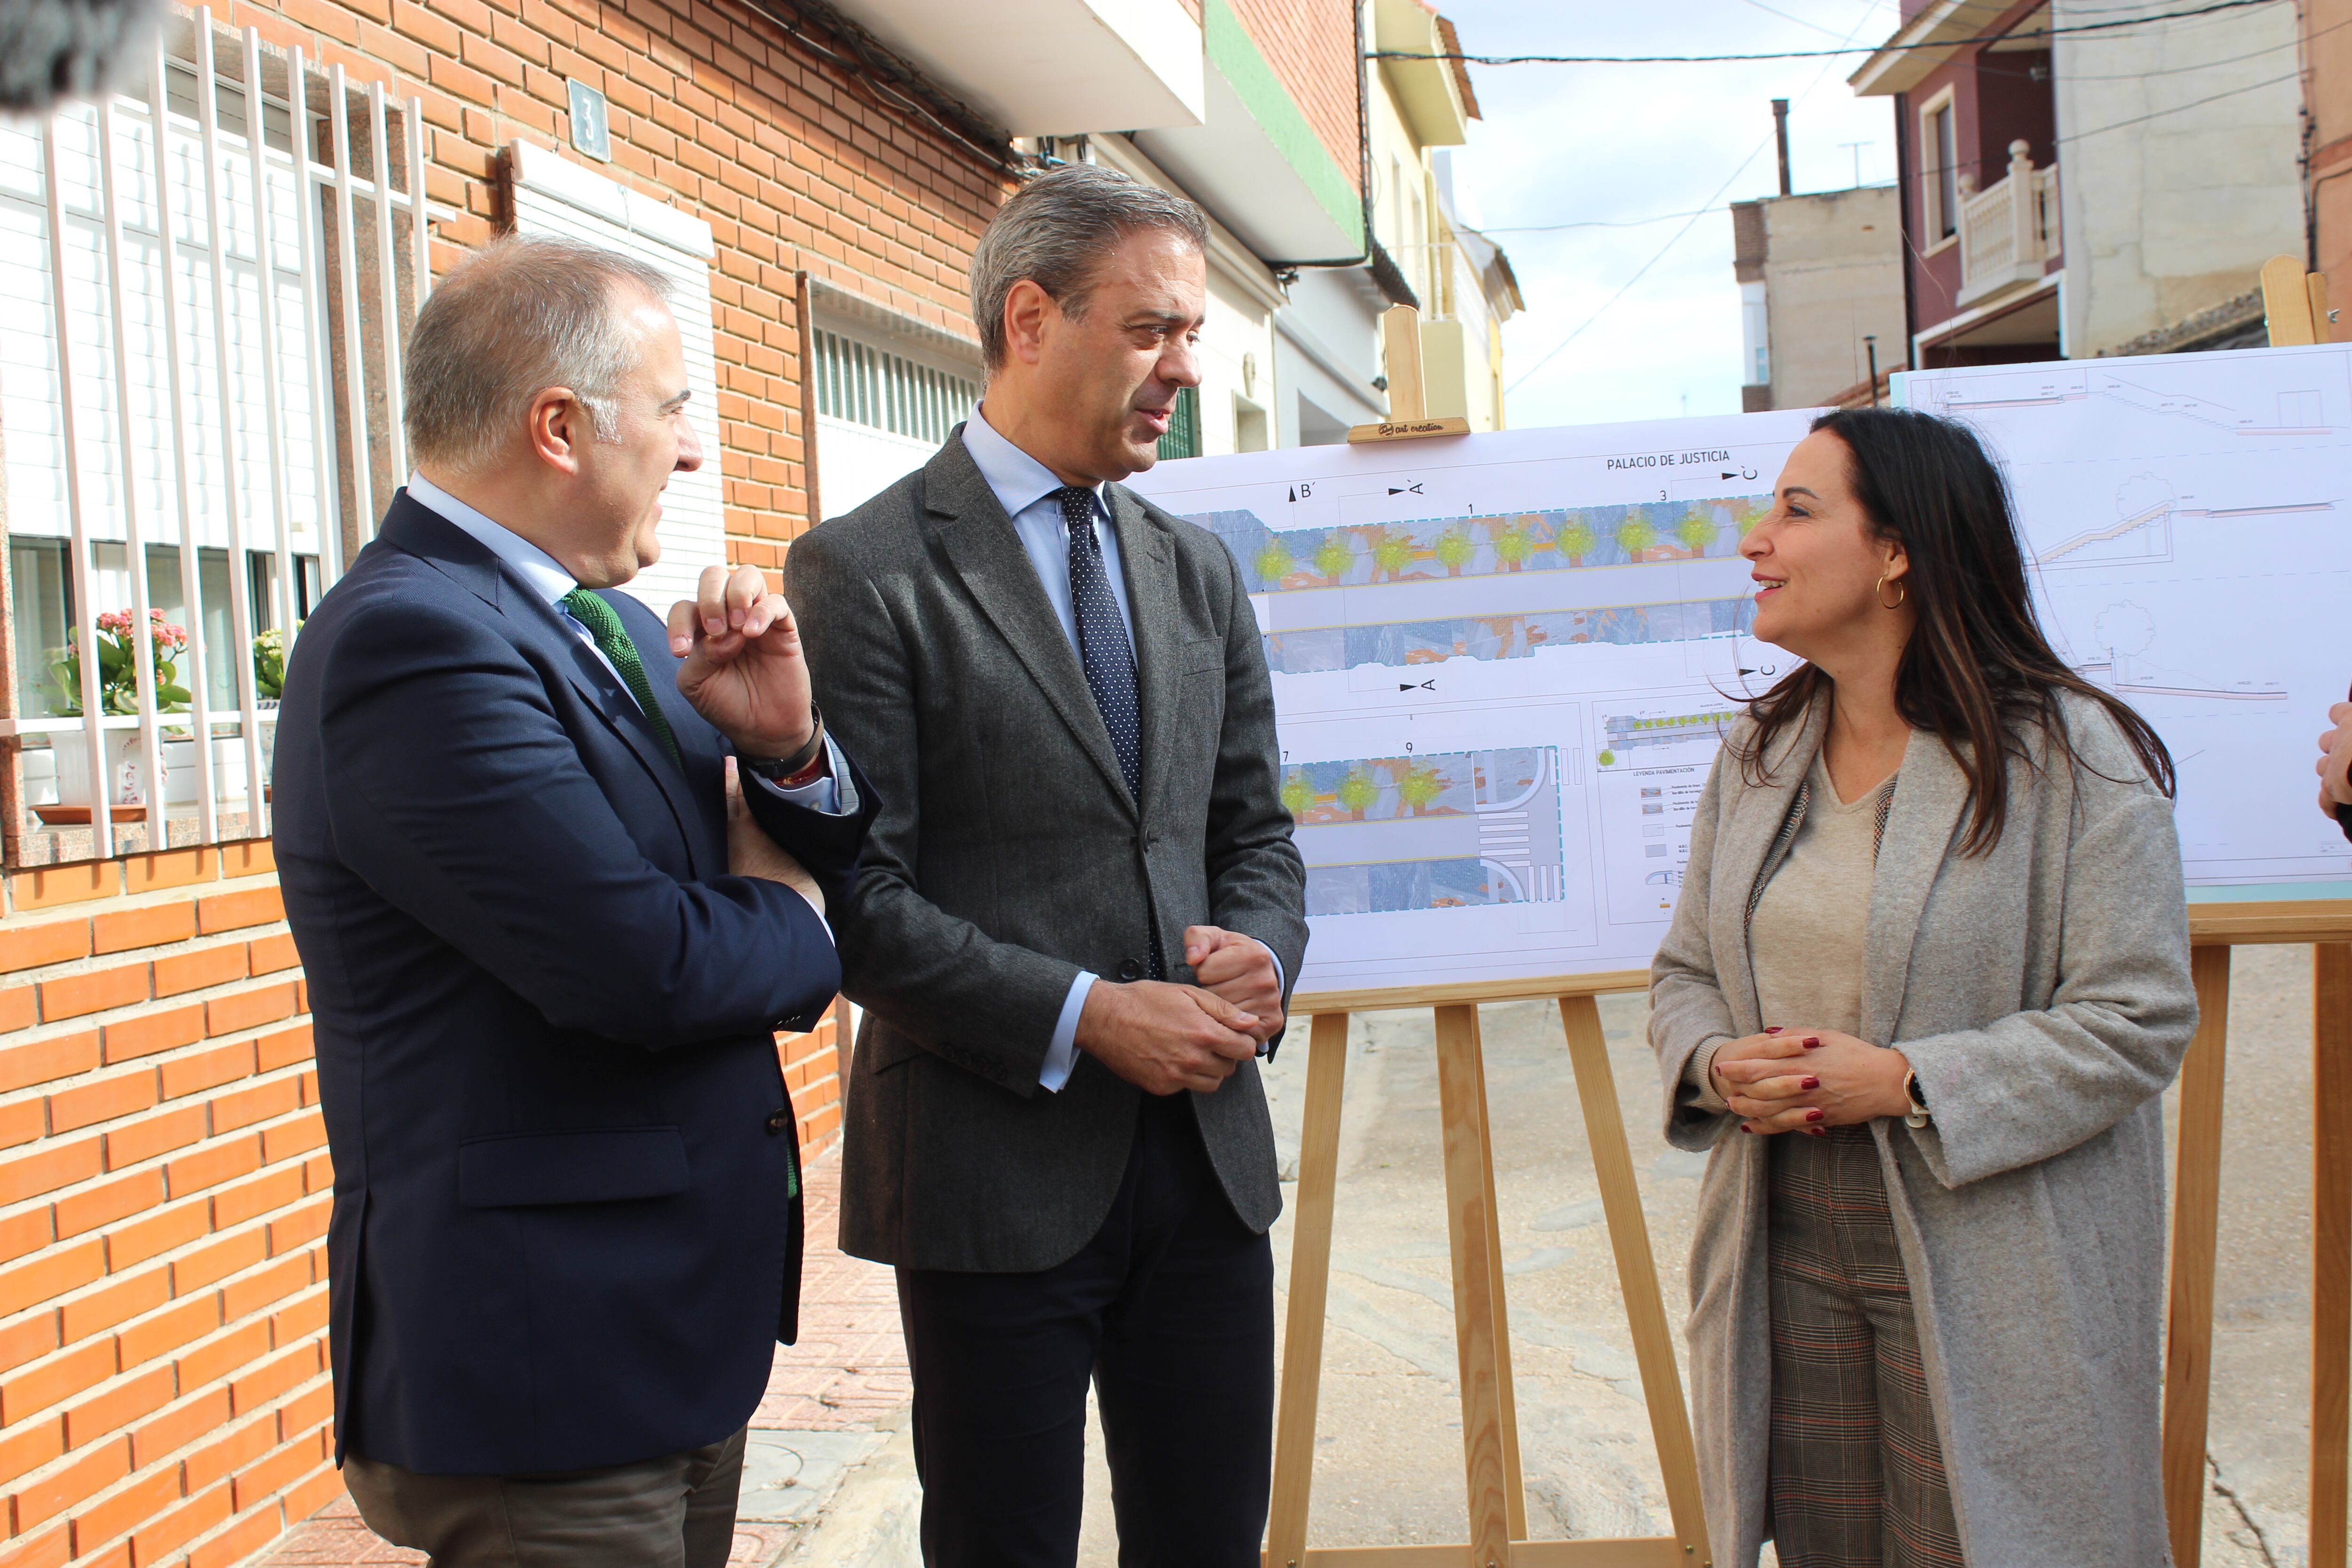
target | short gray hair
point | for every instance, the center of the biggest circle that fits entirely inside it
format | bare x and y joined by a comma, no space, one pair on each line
1055,231
523,313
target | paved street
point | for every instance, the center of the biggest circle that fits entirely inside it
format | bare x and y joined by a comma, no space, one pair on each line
834,1405
1389,1441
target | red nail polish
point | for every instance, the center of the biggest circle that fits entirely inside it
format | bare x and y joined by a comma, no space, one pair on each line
1744,1127
1818,1132
1773,1030
1811,1083
1814,1115
1812,1042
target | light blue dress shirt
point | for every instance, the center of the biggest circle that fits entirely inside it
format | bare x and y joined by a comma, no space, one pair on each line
548,578
1026,489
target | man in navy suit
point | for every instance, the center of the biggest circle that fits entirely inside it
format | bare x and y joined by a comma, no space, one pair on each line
549,935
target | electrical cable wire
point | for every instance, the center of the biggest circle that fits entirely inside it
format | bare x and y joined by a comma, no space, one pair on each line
1713,201
2120,23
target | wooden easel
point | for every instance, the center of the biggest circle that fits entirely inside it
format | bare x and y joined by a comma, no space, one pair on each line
2214,930
1490,1430
2295,304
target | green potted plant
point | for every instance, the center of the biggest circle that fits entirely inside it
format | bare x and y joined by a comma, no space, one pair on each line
269,665
118,666
117,647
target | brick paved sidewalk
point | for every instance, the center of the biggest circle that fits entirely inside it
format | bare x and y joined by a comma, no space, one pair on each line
847,1374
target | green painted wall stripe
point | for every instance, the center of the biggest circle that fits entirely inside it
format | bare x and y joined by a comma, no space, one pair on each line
1234,54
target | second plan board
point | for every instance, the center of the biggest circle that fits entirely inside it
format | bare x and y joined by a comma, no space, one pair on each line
1502,664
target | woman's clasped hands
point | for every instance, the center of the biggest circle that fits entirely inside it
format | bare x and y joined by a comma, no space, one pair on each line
1808,1081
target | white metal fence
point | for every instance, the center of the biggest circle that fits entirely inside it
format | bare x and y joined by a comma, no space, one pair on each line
203,288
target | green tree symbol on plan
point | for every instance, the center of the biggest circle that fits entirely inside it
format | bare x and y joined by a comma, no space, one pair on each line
1455,549
1635,535
1334,558
1577,539
1696,530
1297,795
1356,793
1513,545
1273,563
1393,554
1420,787
1607,759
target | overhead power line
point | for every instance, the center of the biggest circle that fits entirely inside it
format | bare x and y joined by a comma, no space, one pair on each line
2121,22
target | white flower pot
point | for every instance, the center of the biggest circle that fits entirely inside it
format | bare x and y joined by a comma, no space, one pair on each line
124,779
127,778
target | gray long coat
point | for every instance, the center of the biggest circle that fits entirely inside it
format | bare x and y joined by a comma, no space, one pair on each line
2042,994
1007,855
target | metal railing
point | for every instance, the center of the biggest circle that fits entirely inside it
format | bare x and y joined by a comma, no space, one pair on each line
200,280
2010,225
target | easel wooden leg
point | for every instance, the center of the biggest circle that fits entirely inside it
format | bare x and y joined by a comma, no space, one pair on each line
1463,1111
1310,1280
2196,1217
1515,1492
2331,1247
1637,1274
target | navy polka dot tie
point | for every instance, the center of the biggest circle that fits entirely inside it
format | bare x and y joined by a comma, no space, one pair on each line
1102,637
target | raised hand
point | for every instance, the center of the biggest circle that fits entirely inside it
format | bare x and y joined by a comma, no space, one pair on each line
744,669
2336,761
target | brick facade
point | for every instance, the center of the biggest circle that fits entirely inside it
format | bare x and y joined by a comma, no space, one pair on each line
1311,45
163,1176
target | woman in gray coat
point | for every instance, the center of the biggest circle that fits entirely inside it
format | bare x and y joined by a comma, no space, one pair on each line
1926,980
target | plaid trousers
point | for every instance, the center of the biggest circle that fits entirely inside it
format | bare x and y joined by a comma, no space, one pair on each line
1857,1474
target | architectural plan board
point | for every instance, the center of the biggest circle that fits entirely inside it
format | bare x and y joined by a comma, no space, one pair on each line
2188,523
1501,665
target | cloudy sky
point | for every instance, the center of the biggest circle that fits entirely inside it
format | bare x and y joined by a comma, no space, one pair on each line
1610,148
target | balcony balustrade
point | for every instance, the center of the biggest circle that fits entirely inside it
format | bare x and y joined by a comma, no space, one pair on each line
2007,231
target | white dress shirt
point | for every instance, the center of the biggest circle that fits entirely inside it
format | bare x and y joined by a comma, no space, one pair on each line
547,577
1026,489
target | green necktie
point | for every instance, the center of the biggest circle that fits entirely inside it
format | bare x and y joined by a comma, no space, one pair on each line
603,623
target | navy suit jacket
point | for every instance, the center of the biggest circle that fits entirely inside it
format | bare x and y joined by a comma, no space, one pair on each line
567,1221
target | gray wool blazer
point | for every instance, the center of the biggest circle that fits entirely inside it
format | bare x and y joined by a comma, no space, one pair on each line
2042,994
1008,855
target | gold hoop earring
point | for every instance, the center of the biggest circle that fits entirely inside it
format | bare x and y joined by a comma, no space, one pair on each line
1879,593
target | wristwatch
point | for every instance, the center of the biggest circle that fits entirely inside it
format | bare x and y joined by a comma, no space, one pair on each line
803,766
1917,1115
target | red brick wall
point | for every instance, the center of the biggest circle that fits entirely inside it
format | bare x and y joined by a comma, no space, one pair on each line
163,1179
1311,45
162,1201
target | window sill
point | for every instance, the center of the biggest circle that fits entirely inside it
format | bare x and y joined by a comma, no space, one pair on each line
41,844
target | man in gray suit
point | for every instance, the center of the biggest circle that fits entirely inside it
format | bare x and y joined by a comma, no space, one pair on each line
1074,919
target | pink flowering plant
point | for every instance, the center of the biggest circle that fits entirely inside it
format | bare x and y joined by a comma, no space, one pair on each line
117,664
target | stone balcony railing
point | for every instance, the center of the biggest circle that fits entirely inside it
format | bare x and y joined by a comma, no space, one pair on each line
2007,231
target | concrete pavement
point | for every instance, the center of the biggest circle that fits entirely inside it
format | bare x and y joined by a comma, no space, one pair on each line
832,1482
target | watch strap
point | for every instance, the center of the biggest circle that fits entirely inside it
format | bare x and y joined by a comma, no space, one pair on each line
803,765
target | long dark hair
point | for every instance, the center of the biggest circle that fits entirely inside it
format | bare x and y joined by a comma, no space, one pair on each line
1977,671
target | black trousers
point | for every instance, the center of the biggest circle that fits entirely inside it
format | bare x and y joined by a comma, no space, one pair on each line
1169,1310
